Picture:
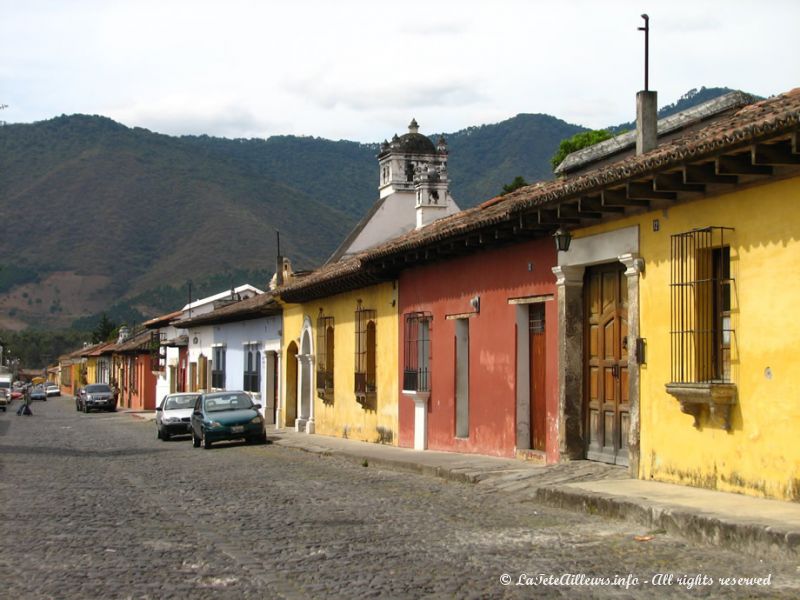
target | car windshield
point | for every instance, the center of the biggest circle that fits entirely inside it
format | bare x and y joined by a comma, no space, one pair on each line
179,402
232,401
97,388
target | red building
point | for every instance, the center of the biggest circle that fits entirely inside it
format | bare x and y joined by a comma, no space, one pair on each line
134,373
478,348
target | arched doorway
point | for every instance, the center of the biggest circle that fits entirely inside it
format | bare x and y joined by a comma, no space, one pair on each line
291,386
305,420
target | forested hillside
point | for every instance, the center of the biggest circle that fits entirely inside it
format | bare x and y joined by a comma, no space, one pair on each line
101,217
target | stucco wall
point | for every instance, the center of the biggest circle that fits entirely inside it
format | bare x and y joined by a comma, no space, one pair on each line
760,455
344,416
445,288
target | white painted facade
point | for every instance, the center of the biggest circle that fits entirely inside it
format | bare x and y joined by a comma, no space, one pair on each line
234,338
164,382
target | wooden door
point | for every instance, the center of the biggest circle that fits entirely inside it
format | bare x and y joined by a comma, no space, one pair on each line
536,349
606,364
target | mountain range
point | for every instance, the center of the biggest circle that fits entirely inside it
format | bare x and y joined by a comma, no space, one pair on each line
99,217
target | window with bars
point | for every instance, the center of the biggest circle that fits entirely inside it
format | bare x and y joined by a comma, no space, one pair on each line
252,368
218,368
158,353
366,347
700,308
325,357
417,352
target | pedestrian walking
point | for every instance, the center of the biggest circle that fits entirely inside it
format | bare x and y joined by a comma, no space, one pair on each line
25,408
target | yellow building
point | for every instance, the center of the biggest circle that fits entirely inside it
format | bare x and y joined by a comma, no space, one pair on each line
340,374
688,362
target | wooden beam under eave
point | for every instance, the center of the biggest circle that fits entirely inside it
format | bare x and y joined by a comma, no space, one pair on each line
595,205
646,191
572,212
774,154
551,217
740,164
796,142
706,173
673,182
620,198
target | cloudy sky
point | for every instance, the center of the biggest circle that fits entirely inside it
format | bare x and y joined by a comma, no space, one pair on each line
359,69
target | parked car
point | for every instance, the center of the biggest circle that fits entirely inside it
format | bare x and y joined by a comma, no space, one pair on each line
221,416
95,396
38,393
52,390
17,394
5,400
174,415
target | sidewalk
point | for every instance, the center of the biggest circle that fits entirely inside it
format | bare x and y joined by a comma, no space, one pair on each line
753,525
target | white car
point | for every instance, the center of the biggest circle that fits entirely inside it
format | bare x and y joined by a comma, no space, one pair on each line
174,415
52,389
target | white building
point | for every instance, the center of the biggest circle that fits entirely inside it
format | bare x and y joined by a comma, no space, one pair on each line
237,347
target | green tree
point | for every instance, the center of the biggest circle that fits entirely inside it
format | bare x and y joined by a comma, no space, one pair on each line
578,142
104,330
519,181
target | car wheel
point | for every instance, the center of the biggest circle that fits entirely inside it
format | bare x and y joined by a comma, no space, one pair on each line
165,436
206,441
195,441
86,408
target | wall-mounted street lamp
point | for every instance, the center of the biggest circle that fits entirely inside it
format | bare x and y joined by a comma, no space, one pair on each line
563,239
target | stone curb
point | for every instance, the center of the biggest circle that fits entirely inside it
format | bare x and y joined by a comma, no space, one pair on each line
407,466
752,537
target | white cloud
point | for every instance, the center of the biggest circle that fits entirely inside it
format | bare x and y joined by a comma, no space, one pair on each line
358,69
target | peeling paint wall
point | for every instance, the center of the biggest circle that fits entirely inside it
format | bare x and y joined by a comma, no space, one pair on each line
497,334
344,416
760,454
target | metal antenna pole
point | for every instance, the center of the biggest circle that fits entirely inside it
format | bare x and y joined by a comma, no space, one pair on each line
646,30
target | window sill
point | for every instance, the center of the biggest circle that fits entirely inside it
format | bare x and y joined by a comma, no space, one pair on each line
417,397
718,397
367,400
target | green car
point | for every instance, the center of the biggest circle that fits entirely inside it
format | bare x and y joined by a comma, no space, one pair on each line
220,416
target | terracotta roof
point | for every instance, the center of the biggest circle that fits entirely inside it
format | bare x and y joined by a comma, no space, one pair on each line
328,279
262,305
139,341
691,117
766,120
100,349
162,320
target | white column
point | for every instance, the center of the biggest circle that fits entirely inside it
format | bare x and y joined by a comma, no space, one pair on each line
310,427
279,399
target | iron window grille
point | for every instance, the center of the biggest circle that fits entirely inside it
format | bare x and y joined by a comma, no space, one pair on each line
325,357
252,368
417,352
365,353
158,353
701,330
218,368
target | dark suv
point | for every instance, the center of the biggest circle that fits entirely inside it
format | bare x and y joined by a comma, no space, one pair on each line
95,396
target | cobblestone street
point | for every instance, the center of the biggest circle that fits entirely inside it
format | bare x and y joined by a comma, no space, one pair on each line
94,506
